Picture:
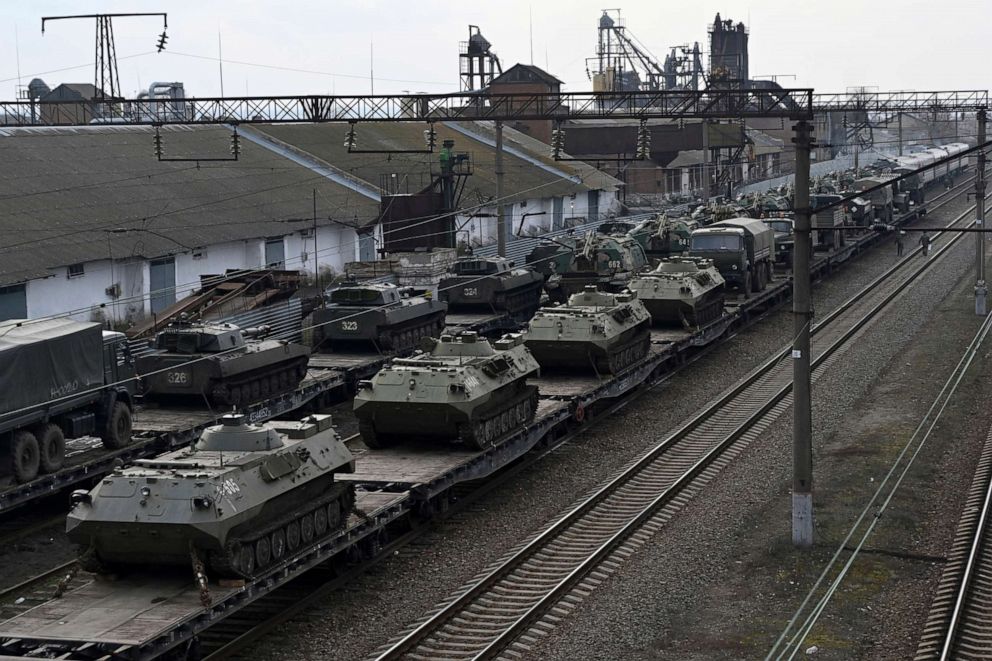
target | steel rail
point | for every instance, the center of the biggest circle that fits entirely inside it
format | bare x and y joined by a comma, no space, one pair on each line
954,627
420,637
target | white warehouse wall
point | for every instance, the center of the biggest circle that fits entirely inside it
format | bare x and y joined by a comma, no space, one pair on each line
84,295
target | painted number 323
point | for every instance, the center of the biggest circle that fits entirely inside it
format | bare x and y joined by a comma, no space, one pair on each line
349,325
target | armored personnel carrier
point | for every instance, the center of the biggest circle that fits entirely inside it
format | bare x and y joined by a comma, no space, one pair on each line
491,283
608,332
461,387
595,259
382,315
243,498
227,365
682,291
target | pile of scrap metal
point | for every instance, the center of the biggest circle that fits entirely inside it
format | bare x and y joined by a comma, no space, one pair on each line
221,296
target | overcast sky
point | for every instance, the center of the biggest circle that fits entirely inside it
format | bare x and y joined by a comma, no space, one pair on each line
323,47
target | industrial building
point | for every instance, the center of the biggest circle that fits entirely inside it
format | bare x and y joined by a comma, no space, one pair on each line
98,226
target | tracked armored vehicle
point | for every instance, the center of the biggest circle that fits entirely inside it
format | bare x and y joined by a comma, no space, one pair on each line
491,283
381,315
682,291
605,261
462,387
598,330
243,498
227,365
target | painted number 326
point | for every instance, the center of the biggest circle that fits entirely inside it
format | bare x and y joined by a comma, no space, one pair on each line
179,378
349,325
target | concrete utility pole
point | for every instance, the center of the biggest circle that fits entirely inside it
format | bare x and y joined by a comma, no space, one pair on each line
706,161
900,133
500,215
802,428
980,289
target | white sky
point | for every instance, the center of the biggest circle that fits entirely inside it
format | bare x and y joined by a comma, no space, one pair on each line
827,44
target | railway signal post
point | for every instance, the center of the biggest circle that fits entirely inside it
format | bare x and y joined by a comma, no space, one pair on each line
980,289
802,428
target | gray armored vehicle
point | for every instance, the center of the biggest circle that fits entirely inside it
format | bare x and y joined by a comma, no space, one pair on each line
593,259
682,291
608,332
382,315
461,387
244,498
491,283
225,364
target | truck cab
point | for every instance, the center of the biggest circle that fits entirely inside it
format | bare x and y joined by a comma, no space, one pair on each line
742,249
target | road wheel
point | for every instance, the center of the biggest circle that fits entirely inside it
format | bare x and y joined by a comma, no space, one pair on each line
320,521
277,542
51,447
118,432
25,457
293,535
306,528
263,552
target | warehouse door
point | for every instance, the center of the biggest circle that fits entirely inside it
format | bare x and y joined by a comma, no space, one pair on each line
593,211
366,246
275,253
162,283
558,213
13,302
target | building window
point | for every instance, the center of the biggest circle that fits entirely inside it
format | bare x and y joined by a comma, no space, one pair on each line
199,253
275,253
76,270
13,302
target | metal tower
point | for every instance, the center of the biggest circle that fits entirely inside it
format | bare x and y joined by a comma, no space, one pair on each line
105,77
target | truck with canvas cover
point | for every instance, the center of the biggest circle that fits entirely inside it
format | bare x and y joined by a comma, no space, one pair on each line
60,379
827,226
742,249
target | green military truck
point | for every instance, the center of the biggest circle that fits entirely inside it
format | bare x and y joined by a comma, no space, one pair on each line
60,379
742,249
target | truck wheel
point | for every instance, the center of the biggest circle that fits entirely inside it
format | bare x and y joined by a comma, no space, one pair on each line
118,432
25,457
51,447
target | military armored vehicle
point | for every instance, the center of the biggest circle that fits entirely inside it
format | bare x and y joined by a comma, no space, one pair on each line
244,498
599,330
491,283
681,291
594,259
228,365
381,315
460,387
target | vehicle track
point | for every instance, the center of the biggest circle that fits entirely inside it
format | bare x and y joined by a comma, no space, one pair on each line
510,605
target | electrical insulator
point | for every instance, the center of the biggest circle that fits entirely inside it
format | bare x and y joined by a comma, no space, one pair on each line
162,38
557,143
349,139
157,141
235,144
643,150
844,121
430,137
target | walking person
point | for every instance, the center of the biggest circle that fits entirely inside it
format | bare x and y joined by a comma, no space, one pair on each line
900,241
925,244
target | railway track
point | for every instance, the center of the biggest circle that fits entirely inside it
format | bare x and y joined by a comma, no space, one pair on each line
960,619
505,610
